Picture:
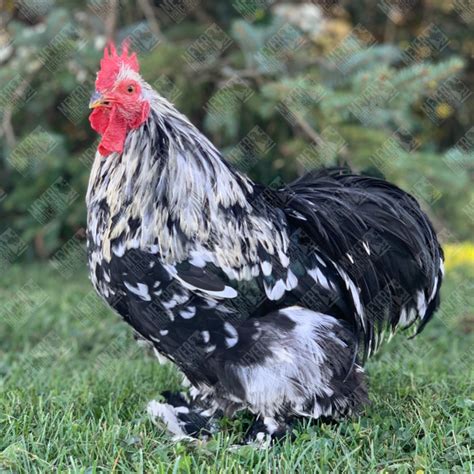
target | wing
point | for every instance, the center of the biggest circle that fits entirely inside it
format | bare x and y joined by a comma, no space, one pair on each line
196,308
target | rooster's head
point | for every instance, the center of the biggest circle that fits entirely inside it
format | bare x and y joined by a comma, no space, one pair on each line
119,103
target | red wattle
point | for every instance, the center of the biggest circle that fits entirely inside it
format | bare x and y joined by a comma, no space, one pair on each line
114,127
99,119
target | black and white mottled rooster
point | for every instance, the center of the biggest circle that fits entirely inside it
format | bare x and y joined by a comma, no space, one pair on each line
266,299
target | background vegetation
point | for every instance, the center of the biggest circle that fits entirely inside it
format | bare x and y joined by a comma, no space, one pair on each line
280,87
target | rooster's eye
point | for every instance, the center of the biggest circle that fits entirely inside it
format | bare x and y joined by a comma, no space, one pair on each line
130,89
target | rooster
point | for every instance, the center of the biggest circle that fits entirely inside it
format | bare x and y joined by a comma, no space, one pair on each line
267,299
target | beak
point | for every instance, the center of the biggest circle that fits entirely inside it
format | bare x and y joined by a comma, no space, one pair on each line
96,100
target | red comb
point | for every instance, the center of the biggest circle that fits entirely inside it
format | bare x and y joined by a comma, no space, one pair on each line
111,63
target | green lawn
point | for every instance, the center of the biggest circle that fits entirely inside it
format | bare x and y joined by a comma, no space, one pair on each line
74,386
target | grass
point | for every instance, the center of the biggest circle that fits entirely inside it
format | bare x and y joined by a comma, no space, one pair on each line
74,386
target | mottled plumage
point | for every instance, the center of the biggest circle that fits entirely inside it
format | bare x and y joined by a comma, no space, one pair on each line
266,299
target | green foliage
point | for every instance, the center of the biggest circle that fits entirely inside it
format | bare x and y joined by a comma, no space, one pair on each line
319,96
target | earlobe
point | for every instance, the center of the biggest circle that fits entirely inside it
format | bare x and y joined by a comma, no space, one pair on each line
144,112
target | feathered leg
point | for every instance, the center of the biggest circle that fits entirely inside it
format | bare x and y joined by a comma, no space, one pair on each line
190,415
185,416
263,431
292,363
